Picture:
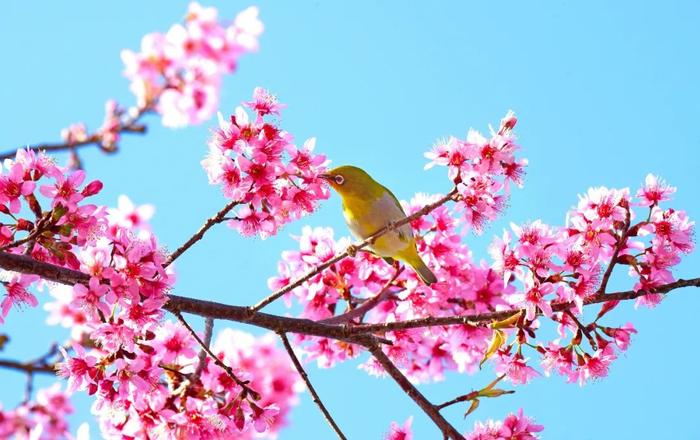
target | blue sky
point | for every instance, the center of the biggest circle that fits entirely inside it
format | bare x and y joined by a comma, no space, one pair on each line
604,94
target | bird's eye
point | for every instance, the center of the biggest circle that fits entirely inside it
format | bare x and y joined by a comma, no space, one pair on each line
339,179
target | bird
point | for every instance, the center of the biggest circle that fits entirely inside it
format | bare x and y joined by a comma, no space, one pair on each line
369,206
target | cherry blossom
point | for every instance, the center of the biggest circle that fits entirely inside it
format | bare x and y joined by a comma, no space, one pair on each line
180,72
259,168
44,418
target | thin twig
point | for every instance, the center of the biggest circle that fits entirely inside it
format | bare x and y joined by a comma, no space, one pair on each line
314,395
208,331
217,361
27,367
428,408
368,305
355,247
618,247
586,332
128,125
211,221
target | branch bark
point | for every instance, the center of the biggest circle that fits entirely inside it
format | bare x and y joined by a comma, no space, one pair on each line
242,314
314,395
28,368
211,221
431,410
128,125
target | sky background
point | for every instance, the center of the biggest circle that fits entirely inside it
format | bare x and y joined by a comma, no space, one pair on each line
604,94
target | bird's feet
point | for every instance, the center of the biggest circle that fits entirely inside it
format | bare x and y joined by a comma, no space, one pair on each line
352,250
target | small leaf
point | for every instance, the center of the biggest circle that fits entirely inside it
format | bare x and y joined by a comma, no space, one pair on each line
497,340
472,407
495,392
3,340
509,322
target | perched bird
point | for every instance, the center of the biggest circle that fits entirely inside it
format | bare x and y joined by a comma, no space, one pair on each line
369,206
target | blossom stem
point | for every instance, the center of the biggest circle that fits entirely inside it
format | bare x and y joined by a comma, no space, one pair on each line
208,331
211,221
128,125
355,247
428,408
618,247
368,305
314,395
276,323
583,329
217,361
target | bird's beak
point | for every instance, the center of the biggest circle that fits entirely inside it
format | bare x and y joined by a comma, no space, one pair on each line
325,176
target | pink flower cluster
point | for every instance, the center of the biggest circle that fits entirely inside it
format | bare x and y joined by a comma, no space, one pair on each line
482,169
568,265
536,268
342,291
259,167
43,214
180,72
513,427
42,419
144,371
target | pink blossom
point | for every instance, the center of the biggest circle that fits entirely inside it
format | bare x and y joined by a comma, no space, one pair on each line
13,185
90,299
129,215
264,103
65,190
514,367
402,432
109,132
654,191
259,167
179,73
513,427
16,286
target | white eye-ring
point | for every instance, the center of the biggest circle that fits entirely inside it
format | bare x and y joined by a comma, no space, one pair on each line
339,179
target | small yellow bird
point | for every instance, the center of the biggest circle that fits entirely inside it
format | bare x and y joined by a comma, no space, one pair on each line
369,206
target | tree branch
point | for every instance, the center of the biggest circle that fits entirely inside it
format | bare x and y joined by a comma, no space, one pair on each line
618,247
208,331
431,410
243,384
128,125
210,309
354,248
211,221
27,367
312,390
368,305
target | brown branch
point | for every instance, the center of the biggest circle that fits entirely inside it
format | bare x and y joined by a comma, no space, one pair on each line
368,305
243,384
27,367
312,390
428,408
211,309
208,332
618,247
211,221
586,332
354,248
489,317
128,125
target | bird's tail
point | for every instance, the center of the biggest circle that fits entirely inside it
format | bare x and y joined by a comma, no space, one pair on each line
421,269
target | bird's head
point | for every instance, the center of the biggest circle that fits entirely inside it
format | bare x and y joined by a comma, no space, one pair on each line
350,181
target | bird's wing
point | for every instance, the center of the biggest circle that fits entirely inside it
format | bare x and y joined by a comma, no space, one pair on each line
405,232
